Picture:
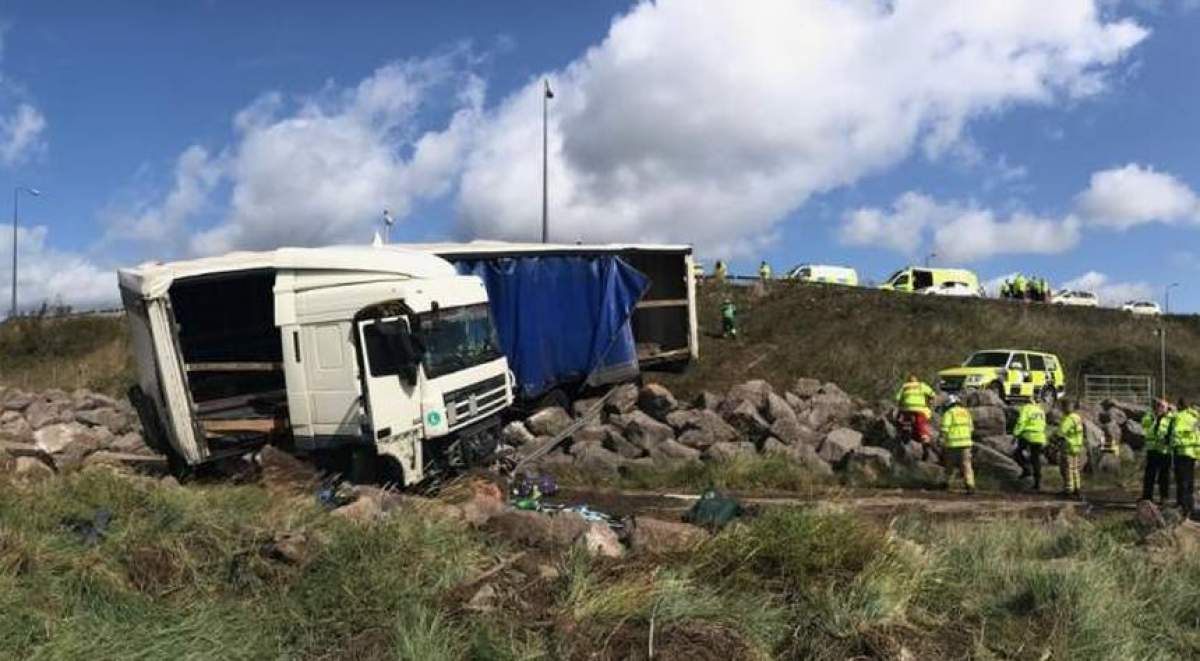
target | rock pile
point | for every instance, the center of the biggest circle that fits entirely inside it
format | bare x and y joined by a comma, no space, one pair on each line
56,430
814,424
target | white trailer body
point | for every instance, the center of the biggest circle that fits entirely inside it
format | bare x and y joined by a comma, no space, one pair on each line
319,348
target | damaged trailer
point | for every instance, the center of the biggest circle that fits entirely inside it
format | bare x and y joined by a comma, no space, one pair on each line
379,351
583,314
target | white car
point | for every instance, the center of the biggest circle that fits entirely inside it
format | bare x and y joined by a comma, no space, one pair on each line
952,288
1075,297
1142,307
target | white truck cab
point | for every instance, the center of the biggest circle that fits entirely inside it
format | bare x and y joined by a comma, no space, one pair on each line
319,349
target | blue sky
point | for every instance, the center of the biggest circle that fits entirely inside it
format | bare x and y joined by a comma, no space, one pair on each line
1052,138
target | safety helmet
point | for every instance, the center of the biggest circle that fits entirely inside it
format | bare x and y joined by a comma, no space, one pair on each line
952,400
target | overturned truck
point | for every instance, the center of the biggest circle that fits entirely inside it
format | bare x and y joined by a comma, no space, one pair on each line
404,356
375,352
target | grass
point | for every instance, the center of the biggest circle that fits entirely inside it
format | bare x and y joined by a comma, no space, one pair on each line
867,340
182,573
39,352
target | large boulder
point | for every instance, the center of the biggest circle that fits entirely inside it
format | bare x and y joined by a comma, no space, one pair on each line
1114,415
61,437
828,408
778,409
743,416
707,400
599,541
557,530
805,388
114,420
878,459
616,442
982,397
623,399
590,434
792,432
674,450
1003,444
702,427
1133,435
43,412
838,443
14,427
658,537
550,421
31,469
16,400
594,457
642,430
755,391
582,407
1093,434
805,456
989,421
516,434
724,452
988,461
83,400
656,400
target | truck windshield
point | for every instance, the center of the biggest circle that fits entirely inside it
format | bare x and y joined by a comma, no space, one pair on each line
457,338
988,359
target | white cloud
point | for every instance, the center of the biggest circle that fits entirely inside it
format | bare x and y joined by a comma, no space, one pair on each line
957,232
1110,293
20,134
46,275
325,172
1132,195
711,121
319,168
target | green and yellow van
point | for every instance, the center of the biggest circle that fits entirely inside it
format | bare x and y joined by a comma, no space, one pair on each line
917,278
1014,374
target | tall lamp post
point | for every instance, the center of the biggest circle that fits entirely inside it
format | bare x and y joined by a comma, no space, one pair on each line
16,196
929,258
1161,332
1167,297
546,96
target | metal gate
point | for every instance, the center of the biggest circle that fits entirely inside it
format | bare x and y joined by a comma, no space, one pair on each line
1122,388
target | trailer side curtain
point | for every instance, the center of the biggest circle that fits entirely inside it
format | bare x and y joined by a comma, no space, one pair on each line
562,318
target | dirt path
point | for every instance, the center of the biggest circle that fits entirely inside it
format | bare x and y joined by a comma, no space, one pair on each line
873,502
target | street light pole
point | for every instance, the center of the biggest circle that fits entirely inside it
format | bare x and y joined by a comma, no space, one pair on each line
546,96
1162,358
1167,297
929,258
16,194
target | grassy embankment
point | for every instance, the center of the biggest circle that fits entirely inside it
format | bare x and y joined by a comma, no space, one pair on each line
92,352
866,340
185,573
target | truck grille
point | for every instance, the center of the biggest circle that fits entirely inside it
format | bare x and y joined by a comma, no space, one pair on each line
466,405
951,383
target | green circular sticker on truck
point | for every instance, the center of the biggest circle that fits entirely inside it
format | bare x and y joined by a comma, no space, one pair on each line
434,418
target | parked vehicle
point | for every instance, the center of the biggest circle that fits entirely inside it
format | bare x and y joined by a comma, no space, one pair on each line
1013,374
915,279
1149,308
839,275
1076,297
388,354
955,289
608,311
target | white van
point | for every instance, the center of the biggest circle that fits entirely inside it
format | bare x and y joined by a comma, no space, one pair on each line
838,275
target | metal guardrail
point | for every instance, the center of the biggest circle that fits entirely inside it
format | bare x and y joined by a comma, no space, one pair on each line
1134,389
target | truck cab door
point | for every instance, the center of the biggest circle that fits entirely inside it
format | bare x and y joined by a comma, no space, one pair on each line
391,372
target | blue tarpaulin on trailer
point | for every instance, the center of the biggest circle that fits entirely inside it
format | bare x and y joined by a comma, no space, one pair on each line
562,318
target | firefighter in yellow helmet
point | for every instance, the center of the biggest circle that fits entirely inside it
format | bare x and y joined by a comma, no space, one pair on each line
913,398
957,428
1070,451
